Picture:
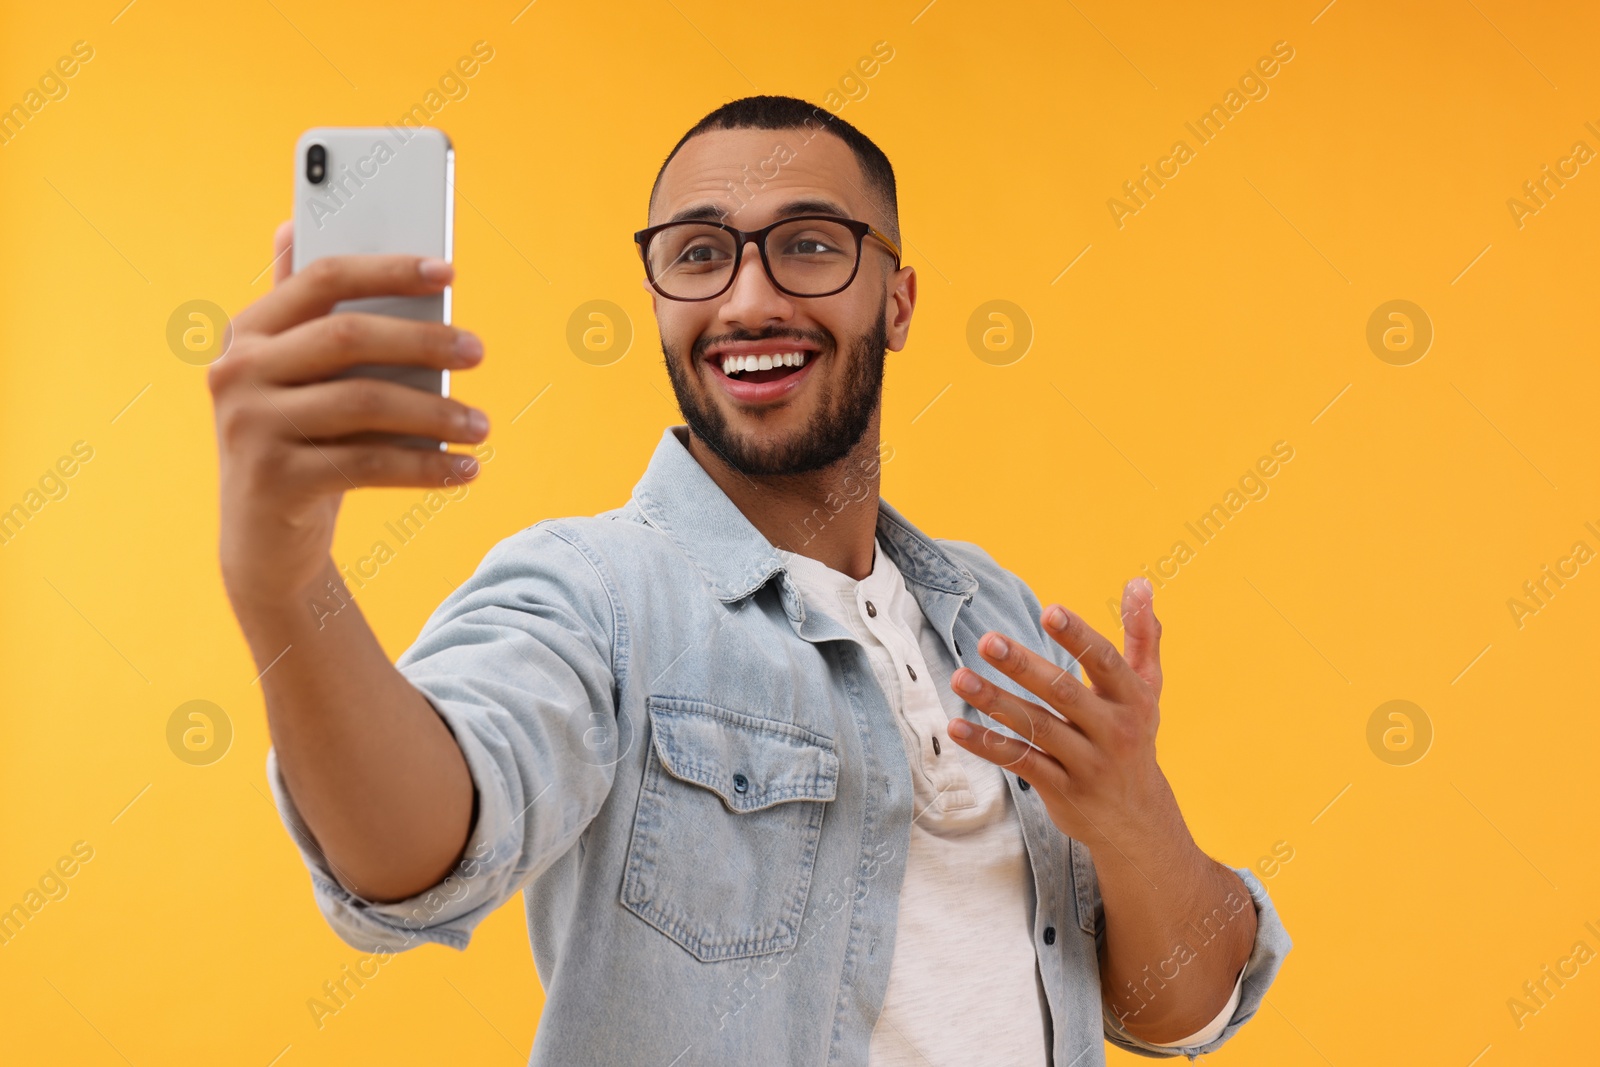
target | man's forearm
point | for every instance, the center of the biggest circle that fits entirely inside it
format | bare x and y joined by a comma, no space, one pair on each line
1179,928
373,770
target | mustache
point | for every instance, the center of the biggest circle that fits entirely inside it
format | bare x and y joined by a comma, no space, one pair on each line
821,338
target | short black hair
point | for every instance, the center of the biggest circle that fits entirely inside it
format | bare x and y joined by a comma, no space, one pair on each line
790,113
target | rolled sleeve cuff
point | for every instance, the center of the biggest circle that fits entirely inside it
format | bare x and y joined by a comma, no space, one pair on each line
1272,944
445,913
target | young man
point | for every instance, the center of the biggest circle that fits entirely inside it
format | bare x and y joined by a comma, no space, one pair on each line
782,779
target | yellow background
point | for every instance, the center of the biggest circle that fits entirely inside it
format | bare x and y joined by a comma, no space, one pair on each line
1226,315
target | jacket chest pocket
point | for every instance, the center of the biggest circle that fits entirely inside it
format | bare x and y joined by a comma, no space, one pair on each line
725,835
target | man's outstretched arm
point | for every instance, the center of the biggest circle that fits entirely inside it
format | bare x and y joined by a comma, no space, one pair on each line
375,773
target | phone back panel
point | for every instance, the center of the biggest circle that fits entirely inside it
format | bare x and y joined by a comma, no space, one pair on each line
386,190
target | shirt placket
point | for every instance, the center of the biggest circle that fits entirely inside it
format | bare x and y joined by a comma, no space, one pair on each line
941,779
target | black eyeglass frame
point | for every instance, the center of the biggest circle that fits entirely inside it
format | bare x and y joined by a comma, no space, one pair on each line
862,231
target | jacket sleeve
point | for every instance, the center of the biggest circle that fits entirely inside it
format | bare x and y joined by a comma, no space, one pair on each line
1272,944
519,662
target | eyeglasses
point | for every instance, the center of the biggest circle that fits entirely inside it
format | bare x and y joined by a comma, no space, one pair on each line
804,255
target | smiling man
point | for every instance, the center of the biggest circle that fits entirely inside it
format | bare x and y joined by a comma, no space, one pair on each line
782,779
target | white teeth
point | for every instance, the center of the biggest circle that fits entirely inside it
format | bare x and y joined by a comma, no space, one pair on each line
736,364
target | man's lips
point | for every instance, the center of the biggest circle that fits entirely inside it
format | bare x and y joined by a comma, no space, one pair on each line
745,390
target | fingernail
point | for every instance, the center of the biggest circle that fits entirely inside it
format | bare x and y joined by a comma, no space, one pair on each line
467,345
468,467
434,270
1143,585
968,683
960,729
477,422
1055,618
998,646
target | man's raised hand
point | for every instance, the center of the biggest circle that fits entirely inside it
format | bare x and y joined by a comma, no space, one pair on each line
290,434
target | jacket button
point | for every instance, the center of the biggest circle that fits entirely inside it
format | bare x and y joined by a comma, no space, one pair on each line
1049,935
872,611
935,746
740,783
911,672
1023,783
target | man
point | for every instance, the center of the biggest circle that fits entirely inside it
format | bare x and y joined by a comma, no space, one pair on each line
782,779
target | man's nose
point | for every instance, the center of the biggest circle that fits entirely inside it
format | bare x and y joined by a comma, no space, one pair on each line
752,300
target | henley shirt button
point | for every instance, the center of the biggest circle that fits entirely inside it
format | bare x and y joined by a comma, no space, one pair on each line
872,611
740,783
1023,782
911,672
1049,935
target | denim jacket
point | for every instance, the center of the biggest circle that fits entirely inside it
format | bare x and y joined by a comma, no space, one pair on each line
700,790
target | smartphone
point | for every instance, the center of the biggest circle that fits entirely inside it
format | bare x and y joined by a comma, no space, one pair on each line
379,189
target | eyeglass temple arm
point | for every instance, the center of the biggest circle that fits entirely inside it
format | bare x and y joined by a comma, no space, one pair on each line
890,244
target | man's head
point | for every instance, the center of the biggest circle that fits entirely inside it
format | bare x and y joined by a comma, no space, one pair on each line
747,165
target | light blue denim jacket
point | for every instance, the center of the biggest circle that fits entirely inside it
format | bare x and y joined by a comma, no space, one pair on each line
700,788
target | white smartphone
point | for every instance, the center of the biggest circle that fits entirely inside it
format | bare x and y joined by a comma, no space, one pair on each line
379,189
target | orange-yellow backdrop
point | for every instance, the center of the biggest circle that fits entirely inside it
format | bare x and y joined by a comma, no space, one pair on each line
1229,312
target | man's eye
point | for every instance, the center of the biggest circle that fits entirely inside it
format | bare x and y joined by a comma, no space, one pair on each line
700,254
810,246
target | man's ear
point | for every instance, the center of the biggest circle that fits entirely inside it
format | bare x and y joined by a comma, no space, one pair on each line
902,301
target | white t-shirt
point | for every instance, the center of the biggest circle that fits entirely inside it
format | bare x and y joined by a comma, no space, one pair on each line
964,954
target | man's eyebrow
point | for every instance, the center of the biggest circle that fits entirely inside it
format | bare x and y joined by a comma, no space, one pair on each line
701,213
814,206
719,213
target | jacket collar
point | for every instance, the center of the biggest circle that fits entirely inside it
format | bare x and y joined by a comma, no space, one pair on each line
680,499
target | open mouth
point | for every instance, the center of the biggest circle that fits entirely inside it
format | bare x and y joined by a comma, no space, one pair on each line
762,378
758,370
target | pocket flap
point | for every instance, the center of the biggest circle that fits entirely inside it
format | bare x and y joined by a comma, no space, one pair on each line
751,763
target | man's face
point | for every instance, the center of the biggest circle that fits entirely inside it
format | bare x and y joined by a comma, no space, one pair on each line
820,410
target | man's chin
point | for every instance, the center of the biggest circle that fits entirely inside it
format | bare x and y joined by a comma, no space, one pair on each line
764,448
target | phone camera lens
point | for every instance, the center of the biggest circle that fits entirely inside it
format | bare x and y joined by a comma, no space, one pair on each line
316,164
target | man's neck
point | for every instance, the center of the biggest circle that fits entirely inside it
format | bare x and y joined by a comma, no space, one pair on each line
829,515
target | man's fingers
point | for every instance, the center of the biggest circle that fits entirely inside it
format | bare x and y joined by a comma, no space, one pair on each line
1009,753
1141,632
358,405
1040,676
1104,664
316,350
1041,727
282,252
332,468
322,283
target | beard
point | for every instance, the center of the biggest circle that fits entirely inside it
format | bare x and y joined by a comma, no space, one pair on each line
845,406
